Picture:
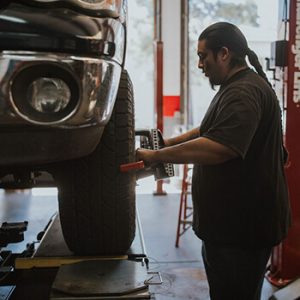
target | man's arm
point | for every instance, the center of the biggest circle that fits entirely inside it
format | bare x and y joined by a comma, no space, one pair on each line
199,150
189,135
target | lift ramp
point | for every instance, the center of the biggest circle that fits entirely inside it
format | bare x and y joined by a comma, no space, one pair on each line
104,277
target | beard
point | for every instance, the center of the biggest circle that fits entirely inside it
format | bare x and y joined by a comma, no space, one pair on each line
212,84
214,81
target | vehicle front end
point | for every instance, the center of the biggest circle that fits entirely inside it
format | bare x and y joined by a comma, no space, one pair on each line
67,111
60,66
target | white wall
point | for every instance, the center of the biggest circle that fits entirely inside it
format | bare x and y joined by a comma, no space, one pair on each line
171,60
171,40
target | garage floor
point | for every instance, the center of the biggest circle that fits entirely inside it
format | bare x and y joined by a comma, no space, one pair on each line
181,268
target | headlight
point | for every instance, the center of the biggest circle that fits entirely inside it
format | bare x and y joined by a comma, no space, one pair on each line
48,95
44,94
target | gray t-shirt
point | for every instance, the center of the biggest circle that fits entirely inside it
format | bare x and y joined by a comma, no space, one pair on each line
243,201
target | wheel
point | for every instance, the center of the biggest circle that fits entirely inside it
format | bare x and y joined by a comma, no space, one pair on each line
96,201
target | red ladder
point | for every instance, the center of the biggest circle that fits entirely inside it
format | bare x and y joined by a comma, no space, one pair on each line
185,209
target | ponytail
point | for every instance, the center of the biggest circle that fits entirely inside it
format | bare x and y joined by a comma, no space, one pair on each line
253,59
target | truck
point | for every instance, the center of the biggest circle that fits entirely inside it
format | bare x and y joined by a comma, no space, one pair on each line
67,115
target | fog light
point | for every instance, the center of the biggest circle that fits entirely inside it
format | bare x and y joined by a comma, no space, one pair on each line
48,95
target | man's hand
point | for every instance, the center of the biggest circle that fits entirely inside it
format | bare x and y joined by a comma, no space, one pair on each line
146,155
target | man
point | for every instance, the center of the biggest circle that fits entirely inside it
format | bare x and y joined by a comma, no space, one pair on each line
240,197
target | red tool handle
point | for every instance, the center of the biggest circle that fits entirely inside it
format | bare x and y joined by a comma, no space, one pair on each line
132,166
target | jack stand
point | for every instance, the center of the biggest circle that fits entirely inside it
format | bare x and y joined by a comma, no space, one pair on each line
12,233
9,233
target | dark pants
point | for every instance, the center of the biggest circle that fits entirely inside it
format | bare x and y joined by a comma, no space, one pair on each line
234,273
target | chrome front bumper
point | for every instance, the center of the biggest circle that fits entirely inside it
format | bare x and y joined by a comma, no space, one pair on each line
97,83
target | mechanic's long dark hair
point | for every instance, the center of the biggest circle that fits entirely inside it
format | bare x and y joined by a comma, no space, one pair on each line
223,34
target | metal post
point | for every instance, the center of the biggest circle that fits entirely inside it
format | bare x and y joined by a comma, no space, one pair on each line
184,64
158,77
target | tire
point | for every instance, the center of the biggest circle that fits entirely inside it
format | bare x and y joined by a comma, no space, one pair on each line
96,201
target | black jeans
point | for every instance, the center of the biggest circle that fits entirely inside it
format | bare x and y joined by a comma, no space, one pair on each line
234,273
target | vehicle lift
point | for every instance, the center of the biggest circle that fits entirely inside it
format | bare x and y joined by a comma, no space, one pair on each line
284,271
9,233
53,272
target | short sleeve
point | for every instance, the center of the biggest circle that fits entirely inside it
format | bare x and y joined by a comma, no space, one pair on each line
236,121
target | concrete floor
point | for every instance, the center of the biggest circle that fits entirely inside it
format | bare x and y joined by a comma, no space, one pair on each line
181,268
